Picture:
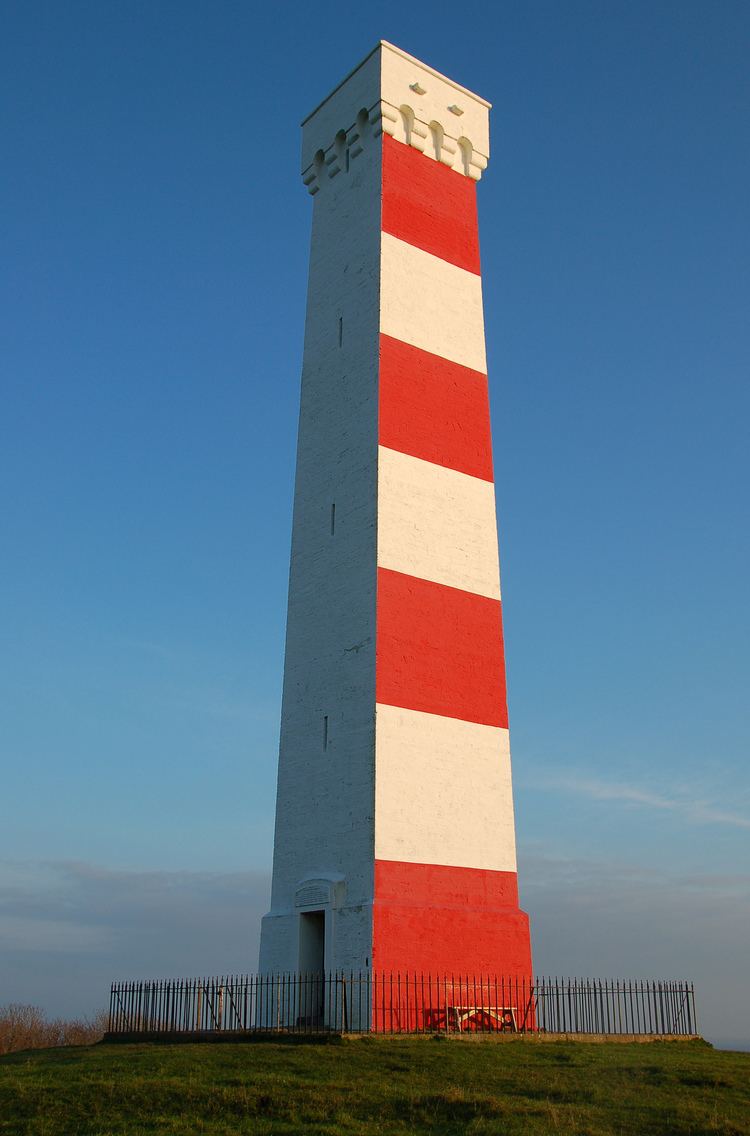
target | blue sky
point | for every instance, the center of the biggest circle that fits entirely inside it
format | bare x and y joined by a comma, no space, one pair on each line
155,236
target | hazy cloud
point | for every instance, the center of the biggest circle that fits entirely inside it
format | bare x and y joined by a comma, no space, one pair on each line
67,929
688,806
38,934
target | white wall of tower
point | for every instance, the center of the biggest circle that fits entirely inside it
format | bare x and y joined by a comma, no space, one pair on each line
443,791
437,524
431,304
324,819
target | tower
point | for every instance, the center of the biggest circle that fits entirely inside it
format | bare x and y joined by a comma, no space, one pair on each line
395,842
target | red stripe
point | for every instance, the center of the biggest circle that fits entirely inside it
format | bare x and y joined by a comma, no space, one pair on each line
439,650
434,409
444,920
397,881
430,206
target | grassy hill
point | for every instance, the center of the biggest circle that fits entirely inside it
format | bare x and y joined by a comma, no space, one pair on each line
365,1086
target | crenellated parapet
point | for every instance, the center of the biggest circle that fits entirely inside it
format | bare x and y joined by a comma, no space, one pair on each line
393,93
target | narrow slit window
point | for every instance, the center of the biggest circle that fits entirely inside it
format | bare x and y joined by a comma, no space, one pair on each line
325,731
341,331
333,518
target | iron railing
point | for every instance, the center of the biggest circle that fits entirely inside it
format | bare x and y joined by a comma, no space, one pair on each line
385,1002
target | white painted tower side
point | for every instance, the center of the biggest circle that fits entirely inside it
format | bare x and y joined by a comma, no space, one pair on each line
323,854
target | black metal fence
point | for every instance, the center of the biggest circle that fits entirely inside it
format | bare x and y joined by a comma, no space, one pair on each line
367,1002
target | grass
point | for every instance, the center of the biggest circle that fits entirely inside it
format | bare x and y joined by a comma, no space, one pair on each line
365,1086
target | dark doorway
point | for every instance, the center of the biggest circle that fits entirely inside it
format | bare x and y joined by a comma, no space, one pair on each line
312,953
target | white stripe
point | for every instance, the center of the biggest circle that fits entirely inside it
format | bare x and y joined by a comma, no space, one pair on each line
437,524
442,791
431,304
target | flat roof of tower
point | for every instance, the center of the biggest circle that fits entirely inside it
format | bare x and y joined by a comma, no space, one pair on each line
410,59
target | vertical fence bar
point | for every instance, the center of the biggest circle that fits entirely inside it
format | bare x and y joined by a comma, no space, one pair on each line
670,1015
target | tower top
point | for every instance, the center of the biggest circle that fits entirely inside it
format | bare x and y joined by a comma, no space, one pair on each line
393,93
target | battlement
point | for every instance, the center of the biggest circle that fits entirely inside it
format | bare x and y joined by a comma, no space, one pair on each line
392,93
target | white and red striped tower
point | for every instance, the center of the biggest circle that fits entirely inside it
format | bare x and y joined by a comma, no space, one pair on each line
395,842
